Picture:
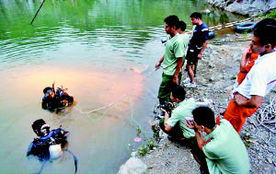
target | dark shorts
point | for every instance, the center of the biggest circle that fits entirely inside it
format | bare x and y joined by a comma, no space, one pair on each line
191,56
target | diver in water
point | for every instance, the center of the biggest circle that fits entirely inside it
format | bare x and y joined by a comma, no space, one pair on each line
50,144
56,100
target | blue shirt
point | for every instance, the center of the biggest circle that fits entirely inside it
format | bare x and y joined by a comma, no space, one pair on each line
200,35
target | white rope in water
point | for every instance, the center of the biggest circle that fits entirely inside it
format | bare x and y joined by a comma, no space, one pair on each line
151,94
150,73
65,117
231,24
134,122
266,115
102,107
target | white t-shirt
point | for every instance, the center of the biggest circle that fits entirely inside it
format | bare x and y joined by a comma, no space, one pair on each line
261,79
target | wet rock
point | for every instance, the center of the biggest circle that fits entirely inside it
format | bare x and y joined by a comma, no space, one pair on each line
133,166
211,79
245,7
210,65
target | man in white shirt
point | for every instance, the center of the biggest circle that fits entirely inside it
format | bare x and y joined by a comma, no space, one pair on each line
248,96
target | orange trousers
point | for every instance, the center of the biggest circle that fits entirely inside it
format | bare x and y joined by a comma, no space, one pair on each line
237,115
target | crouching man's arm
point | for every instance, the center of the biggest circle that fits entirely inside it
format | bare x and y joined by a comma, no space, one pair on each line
168,128
199,139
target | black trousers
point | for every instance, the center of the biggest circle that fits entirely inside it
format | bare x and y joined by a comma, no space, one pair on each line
176,131
199,156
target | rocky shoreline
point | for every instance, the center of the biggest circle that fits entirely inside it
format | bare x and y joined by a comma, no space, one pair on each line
216,76
245,7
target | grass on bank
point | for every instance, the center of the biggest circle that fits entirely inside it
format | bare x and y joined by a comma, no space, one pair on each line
271,14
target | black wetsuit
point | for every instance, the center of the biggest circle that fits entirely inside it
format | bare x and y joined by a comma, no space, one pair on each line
40,146
52,103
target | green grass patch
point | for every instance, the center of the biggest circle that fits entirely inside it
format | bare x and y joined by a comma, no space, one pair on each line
271,14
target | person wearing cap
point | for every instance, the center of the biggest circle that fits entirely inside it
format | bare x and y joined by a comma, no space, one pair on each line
260,80
219,148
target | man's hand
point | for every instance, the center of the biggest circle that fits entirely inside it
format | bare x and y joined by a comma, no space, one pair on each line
253,102
240,100
247,53
157,65
162,109
168,128
190,124
245,60
199,56
175,79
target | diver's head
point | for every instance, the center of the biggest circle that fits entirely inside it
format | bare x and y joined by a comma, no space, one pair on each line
41,128
48,91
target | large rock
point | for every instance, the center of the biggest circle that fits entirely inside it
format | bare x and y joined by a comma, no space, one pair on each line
245,7
133,166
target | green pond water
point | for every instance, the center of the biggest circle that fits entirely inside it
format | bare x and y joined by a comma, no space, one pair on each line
104,52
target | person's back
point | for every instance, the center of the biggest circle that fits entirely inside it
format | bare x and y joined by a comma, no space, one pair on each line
185,40
174,49
184,36
183,110
226,153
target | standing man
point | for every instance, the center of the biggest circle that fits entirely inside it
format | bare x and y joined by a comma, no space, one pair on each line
261,79
221,147
172,60
197,45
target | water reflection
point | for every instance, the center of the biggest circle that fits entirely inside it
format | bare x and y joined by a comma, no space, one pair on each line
94,87
121,24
